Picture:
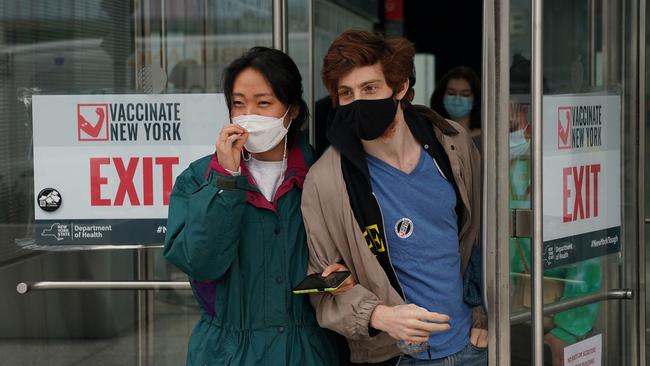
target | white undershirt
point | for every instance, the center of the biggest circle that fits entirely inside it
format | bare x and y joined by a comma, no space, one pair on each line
267,175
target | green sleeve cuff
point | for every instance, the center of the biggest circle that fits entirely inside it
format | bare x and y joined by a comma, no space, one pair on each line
227,182
564,335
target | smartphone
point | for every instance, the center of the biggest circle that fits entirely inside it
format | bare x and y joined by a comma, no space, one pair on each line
317,283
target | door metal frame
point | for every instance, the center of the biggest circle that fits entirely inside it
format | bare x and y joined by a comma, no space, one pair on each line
536,95
280,25
496,190
637,54
641,253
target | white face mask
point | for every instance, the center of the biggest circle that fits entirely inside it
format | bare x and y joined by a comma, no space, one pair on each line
518,144
265,133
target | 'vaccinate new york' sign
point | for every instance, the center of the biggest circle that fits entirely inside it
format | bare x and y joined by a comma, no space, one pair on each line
581,177
104,165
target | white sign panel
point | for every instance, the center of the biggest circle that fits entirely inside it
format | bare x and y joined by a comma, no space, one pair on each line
585,353
581,177
104,165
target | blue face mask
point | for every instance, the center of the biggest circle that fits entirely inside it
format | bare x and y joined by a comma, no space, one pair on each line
457,106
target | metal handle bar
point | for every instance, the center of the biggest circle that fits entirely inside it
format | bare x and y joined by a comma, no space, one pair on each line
523,316
25,287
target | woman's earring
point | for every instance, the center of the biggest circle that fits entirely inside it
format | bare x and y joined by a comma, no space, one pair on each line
245,155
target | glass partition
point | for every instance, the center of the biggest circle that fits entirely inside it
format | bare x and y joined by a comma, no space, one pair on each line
590,231
71,47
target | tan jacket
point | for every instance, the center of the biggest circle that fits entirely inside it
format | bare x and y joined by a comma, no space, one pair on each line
333,235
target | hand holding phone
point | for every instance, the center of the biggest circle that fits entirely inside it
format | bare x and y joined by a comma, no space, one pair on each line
339,267
317,283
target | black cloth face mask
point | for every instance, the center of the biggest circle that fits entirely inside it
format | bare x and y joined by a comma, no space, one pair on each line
365,118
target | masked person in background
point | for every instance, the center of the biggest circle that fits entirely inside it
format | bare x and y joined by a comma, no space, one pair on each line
235,226
561,283
458,97
396,200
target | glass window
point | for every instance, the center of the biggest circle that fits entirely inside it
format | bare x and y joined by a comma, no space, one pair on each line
90,47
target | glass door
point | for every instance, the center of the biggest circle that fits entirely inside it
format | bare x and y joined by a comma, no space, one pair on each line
104,48
566,83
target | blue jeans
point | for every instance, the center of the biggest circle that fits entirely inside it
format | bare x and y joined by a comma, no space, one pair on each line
468,356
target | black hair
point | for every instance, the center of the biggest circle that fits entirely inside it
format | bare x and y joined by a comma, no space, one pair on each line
281,73
520,76
460,72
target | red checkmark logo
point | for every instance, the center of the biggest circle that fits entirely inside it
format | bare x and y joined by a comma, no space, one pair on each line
92,120
564,129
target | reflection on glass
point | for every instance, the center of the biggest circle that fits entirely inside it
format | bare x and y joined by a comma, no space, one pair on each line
571,46
91,47
560,283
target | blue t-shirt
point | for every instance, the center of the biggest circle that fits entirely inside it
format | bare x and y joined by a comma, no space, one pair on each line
422,232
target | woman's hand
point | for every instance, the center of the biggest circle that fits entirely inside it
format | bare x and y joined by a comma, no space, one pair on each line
410,322
479,337
337,267
229,146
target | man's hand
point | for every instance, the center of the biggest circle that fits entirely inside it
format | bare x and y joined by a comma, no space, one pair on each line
410,322
557,348
337,267
479,337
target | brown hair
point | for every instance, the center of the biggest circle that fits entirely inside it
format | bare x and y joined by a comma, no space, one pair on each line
358,48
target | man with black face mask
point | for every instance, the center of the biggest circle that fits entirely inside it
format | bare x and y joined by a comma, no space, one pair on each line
396,201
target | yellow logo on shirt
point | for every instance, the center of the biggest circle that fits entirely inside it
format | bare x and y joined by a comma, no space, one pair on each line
373,237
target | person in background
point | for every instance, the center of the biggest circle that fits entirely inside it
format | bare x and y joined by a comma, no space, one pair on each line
458,97
235,226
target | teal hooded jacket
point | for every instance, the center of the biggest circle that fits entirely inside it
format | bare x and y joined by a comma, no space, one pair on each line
243,255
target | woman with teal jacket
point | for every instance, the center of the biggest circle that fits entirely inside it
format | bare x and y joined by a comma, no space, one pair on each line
236,229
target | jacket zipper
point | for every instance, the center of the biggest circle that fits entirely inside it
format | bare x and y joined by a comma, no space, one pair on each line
440,170
383,225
